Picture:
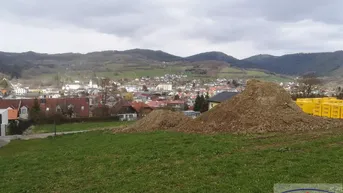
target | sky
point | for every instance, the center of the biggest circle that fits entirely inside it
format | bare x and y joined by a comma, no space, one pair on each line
240,28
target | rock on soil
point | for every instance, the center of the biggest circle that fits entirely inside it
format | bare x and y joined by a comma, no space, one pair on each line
261,107
157,120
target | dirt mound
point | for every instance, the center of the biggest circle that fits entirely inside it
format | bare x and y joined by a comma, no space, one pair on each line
158,120
261,107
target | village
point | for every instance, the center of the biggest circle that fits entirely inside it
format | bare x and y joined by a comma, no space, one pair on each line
126,100
129,100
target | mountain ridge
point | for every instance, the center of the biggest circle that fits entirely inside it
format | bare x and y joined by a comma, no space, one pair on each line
323,63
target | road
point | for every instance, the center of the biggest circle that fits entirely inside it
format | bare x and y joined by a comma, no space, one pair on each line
6,139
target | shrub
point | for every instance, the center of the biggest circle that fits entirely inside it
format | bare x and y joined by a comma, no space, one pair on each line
18,127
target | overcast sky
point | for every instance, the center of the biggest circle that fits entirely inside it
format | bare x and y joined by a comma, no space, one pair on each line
240,28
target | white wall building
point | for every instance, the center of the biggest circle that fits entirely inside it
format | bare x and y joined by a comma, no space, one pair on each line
71,87
3,121
92,85
24,113
130,88
164,87
20,91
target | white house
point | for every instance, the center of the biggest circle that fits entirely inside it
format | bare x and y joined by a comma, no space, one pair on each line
3,121
20,91
24,114
164,87
71,87
91,85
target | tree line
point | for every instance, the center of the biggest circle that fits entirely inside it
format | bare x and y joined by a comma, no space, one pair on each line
201,103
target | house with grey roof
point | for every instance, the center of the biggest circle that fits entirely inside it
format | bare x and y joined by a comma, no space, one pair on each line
221,97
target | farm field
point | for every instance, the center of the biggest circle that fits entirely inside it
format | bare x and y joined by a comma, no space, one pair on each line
170,162
231,72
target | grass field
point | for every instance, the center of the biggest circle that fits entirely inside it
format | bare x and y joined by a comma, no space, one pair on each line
118,71
170,162
231,72
76,126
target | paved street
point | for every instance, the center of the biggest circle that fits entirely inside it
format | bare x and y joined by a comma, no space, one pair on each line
6,139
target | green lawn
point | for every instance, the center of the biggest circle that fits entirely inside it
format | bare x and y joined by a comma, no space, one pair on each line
230,72
77,126
170,162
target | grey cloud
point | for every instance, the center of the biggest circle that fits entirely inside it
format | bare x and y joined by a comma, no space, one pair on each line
217,21
126,18
122,18
277,10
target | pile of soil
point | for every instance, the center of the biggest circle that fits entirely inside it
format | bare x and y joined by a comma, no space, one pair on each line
261,107
158,120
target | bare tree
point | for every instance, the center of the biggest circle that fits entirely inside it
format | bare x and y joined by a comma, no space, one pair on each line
235,83
145,88
308,83
104,84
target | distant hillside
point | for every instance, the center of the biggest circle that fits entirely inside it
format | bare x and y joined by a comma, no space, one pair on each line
31,64
216,56
297,64
259,58
153,55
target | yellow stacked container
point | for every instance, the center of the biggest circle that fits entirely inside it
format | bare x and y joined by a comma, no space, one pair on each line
317,110
317,100
342,112
306,106
329,107
336,111
326,110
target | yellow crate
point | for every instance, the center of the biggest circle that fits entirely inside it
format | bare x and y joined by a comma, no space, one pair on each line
306,106
326,99
317,110
326,110
336,111
304,100
341,112
317,100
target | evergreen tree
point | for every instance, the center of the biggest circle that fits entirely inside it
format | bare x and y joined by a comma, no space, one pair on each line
35,111
35,107
235,83
197,104
202,100
204,105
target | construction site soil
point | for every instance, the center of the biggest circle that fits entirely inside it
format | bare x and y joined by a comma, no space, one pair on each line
158,120
261,107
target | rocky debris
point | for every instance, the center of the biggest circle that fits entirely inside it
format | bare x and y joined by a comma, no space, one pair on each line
157,120
261,107
29,131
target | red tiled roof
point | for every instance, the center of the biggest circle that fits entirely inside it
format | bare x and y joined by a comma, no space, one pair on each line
139,105
176,102
81,107
156,104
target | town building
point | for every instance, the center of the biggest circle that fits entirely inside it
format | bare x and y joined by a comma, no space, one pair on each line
141,108
48,106
221,97
164,87
192,114
3,121
20,91
124,110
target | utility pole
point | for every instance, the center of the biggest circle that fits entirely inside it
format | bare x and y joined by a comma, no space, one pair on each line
55,127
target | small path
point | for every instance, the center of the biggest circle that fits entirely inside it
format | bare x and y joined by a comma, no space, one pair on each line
6,139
